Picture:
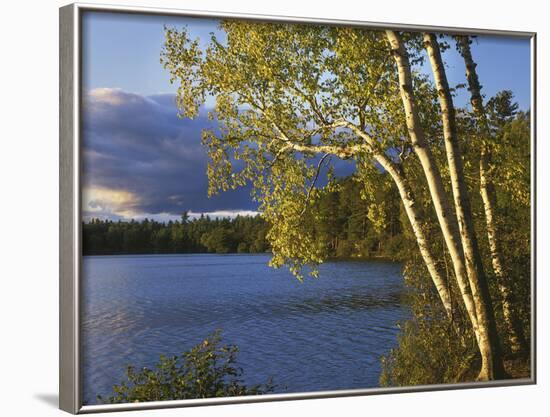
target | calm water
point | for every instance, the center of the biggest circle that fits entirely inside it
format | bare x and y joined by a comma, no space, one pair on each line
323,334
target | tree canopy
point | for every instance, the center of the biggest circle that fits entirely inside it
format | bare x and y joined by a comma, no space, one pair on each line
289,101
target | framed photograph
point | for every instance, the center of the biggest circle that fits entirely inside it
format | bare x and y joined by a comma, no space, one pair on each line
258,208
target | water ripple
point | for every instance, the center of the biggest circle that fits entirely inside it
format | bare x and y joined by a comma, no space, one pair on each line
324,334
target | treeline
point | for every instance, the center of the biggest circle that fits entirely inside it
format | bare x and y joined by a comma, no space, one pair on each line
204,234
354,222
346,224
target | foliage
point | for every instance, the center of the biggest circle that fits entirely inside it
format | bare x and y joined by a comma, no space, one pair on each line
207,370
294,101
200,235
346,225
429,350
511,154
281,93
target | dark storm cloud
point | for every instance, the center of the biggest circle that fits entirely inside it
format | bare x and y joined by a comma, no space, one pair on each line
138,144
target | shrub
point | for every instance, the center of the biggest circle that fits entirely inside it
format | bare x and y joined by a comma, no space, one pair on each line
431,349
207,370
430,352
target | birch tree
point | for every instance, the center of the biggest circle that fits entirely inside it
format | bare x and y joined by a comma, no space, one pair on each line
486,327
488,195
298,94
292,99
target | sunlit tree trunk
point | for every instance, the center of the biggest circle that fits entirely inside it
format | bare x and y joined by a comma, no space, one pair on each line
416,221
411,208
440,201
515,332
488,337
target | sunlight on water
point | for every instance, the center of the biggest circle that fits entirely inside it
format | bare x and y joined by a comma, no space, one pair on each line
323,334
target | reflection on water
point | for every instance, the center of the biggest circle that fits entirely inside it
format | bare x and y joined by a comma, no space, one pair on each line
323,334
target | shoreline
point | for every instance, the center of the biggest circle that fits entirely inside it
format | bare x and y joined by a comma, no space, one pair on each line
380,258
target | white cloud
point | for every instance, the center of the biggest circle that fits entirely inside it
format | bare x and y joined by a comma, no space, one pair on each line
100,200
112,96
117,204
224,213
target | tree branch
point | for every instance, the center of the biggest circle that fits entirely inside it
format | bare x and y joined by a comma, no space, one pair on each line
308,195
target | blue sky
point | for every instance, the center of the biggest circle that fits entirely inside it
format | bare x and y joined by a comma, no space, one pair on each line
123,50
140,160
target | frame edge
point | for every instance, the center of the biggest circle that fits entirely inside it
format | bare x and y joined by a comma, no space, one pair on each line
70,215
68,314
413,27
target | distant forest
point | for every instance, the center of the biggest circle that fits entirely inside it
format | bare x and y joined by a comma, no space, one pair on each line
348,224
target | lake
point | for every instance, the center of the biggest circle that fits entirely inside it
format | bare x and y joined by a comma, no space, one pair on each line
323,334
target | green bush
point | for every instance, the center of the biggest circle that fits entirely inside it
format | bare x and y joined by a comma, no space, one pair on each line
207,370
431,349
430,352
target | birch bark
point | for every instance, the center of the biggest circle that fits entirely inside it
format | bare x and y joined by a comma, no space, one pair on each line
488,337
415,218
441,204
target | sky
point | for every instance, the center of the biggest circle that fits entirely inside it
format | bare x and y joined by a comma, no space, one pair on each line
141,160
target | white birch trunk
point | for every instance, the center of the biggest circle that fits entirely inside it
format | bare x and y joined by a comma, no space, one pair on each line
433,176
488,337
411,208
